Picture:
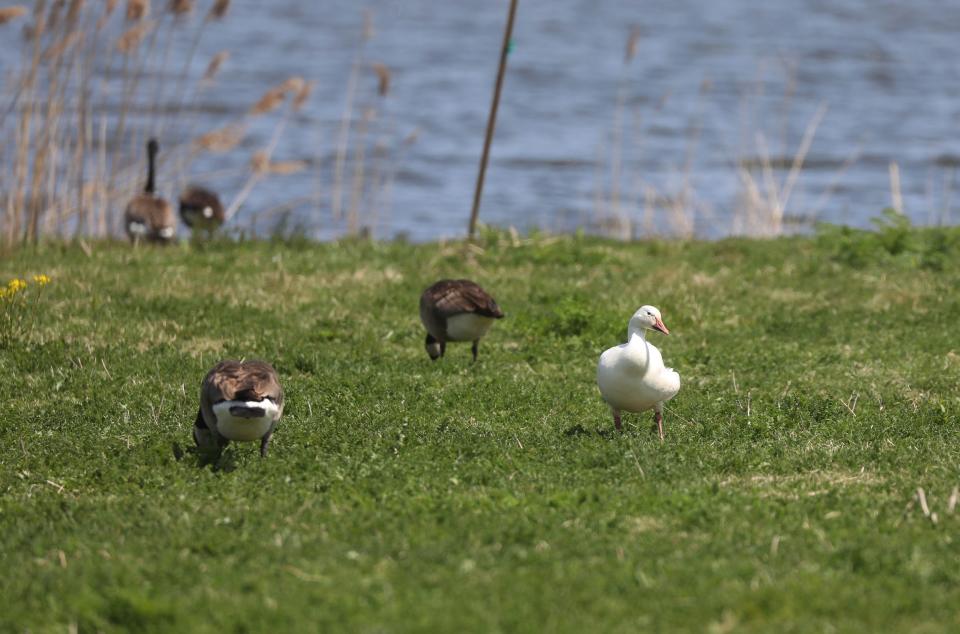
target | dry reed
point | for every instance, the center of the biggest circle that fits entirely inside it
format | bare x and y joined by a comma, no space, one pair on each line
261,163
272,99
346,121
613,217
133,37
180,7
219,9
383,78
214,66
766,183
303,95
633,41
8,14
284,168
356,176
137,10
294,90
75,120
896,193
222,140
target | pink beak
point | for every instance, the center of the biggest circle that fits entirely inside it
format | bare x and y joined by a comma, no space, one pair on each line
661,326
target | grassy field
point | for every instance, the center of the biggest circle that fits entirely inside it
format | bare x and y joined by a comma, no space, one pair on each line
821,388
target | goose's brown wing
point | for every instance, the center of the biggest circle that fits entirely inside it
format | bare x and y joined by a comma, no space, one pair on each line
231,380
234,380
453,297
261,380
138,210
154,213
162,215
195,199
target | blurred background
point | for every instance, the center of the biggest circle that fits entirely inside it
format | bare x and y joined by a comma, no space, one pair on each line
627,119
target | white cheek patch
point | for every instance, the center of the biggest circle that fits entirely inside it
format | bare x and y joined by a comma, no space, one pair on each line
137,228
166,232
207,212
245,428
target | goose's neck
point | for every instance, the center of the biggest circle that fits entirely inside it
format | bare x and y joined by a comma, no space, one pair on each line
638,335
151,168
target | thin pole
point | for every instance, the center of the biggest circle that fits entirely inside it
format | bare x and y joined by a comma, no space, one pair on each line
492,121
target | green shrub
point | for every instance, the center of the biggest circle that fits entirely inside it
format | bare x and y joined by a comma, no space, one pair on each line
894,241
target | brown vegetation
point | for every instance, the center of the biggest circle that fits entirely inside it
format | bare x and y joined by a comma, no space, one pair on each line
72,112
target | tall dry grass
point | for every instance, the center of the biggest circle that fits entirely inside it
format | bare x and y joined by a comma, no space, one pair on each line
91,84
355,178
631,204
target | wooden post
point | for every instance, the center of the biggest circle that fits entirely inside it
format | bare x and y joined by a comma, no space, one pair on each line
492,121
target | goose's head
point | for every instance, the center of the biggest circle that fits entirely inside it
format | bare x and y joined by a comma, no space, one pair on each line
647,318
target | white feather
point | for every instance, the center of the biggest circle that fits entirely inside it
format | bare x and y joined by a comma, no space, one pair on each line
632,377
467,327
245,429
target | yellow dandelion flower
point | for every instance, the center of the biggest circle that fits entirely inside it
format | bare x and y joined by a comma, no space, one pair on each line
41,279
15,285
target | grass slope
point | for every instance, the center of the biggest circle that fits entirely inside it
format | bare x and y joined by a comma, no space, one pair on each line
820,390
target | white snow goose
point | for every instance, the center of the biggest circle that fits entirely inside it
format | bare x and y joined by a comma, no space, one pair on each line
241,401
632,377
456,310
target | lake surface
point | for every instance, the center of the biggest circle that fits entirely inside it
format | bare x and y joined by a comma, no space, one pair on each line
712,85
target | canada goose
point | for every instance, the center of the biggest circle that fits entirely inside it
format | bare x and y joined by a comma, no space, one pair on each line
239,400
149,217
632,377
201,209
456,310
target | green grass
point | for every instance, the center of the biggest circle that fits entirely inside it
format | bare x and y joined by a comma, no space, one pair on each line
403,495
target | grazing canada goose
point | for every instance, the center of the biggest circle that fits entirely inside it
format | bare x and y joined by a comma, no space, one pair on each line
632,377
149,217
456,310
239,400
201,209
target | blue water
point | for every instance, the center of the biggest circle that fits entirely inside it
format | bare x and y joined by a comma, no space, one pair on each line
708,80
